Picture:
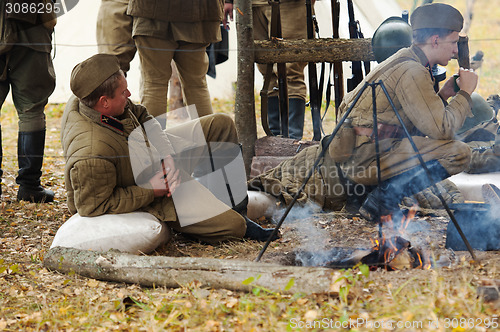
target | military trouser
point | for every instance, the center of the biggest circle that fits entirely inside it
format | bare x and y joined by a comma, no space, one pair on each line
192,64
194,202
293,26
114,32
32,79
398,156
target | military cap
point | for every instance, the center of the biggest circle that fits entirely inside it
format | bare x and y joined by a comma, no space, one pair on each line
436,16
91,73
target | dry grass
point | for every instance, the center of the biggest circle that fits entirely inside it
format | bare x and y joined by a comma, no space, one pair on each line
32,298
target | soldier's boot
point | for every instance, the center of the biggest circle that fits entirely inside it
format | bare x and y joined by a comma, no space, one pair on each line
389,194
30,149
273,115
484,160
296,112
256,232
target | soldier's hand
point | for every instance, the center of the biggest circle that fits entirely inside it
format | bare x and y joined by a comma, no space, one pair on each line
448,89
467,80
171,174
228,11
159,185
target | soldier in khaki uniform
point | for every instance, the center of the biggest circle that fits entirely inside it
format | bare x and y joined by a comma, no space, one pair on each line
26,68
114,32
166,30
293,26
432,118
97,128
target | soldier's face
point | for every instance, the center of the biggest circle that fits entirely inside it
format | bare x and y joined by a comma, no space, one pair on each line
116,105
447,48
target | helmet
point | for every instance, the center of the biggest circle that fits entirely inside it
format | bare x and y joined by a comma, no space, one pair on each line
481,111
392,35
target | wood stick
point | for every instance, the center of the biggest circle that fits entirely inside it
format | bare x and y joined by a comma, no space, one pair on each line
180,271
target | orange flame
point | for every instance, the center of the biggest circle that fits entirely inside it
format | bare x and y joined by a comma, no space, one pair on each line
389,246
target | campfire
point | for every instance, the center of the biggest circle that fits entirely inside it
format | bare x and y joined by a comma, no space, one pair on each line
395,252
391,252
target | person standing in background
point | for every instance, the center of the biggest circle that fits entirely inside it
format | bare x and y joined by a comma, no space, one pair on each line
114,32
293,26
175,30
26,68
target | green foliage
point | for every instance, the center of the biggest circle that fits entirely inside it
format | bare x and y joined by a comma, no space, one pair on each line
350,278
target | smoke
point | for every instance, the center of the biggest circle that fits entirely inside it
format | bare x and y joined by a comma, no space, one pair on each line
313,239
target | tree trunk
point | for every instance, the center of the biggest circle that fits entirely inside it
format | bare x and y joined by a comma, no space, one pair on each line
313,50
244,116
179,271
175,100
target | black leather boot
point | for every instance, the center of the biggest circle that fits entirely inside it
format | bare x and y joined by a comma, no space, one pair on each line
391,191
273,115
30,148
296,111
258,233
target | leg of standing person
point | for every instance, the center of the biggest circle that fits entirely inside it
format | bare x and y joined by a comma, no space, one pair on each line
261,31
114,32
191,60
156,55
30,96
4,91
294,26
293,22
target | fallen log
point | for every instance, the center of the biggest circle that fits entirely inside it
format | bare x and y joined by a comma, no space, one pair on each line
175,272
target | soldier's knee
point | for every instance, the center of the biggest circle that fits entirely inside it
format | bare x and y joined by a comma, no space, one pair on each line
462,153
237,227
223,120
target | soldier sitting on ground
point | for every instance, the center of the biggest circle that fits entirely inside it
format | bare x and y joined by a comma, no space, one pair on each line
431,118
96,132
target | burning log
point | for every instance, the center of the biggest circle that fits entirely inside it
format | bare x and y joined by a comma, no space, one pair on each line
392,253
396,253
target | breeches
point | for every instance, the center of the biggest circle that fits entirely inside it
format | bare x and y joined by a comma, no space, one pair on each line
114,32
398,156
293,26
32,79
191,61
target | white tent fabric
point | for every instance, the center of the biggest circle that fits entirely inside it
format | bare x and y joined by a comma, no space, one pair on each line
75,41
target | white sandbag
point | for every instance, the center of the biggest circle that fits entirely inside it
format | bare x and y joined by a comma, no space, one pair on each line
135,233
260,204
470,184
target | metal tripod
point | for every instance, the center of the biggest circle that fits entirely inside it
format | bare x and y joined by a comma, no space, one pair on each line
329,140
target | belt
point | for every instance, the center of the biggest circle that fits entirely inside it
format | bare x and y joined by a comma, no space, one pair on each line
384,131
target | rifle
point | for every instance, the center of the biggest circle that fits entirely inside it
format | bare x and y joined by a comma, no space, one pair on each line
354,33
315,101
282,83
338,75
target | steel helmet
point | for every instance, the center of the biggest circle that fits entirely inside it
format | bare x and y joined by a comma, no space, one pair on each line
481,110
392,35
